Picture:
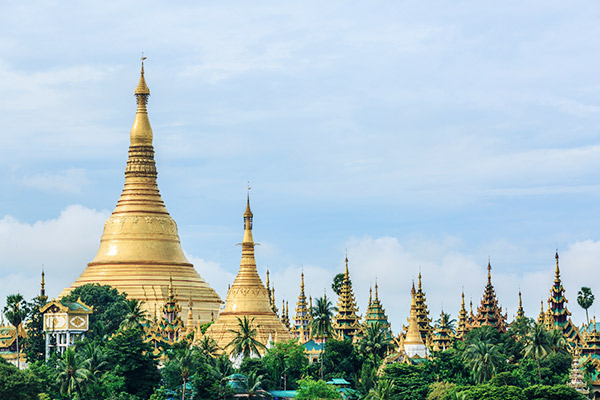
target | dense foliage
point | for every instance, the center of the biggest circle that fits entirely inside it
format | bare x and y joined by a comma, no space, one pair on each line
115,363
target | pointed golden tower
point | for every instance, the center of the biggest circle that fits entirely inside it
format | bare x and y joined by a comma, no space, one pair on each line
413,341
140,248
302,319
461,325
248,297
489,312
346,323
520,311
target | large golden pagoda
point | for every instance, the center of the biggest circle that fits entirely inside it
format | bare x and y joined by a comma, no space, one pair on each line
140,249
248,297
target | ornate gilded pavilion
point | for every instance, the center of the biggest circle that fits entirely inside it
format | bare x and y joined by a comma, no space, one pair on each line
140,250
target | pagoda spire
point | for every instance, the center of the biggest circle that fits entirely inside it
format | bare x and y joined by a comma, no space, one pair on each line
43,296
520,311
489,312
423,313
414,346
461,326
302,319
190,318
346,322
442,336
248,297
542,317
558,314
376,315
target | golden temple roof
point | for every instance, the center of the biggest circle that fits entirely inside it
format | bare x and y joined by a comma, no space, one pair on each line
413,335
248,297
140,247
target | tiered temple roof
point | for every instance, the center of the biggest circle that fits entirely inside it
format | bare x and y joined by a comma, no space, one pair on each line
248,297
376,314
442,335
302,319
346,323
423,319
558,314
140,247
461,325
489,313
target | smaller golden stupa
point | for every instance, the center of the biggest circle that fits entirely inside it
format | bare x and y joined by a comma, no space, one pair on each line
248,297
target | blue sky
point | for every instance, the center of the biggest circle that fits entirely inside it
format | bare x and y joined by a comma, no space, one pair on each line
415,136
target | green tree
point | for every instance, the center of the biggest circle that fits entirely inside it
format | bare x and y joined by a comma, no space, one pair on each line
16,311
411,382
338,282
285,363
367,378
73,373
130,357
483,358
489,392
311,389
322,313
185,363
16,384
537,345
135,315
110,307
374,343
254,382
585,299
34,344
208,347
556,392
440,390
245,342
448,322
382,391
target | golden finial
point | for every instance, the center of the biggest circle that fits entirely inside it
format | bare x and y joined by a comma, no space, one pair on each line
462,301
413,291
346,274
489,268
302,281
370,292
43,285
376,290
557,270
142,88
420,287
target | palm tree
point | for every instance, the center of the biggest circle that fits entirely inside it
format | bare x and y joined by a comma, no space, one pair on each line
320,325
383,390
585,299
16,311
220,371
95,357
557,341
245,343
73,373
537,345
483,358
446,323
374,341
135,314
184,362
208,346
254,382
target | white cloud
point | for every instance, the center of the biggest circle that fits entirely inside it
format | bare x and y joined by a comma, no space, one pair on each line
69,181
63,245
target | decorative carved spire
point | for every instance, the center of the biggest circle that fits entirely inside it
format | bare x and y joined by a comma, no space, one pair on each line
461,326
489,312
345,323
43,287
520,311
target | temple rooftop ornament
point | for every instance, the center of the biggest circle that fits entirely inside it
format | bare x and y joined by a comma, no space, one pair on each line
140,247
461,325
247,297
414,346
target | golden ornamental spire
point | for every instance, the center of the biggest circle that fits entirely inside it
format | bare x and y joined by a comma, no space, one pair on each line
141,131
420,287
557,270
489,268
376,290
370,297
43,287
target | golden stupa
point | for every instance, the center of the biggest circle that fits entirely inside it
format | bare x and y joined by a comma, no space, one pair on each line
248,297
140,249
